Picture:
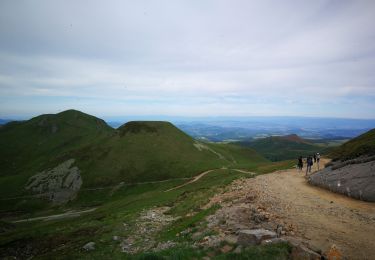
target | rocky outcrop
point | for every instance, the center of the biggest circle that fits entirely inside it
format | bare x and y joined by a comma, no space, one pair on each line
354,178
254,236
89,246
59,185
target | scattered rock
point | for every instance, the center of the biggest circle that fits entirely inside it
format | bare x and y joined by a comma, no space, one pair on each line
115,238
185,232
143,232
231,239
89,246
211,241
165,245
258,218
303,253
254,237
238,250
196,236
225,249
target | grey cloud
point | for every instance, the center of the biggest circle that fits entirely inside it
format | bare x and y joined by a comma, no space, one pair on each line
226,50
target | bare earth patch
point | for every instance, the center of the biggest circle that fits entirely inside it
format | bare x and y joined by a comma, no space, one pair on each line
143,232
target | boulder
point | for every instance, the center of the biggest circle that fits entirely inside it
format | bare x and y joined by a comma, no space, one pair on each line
301,252
89,246
231,239
353,178
254,236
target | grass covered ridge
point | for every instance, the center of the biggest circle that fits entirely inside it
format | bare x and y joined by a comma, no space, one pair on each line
279,148
136,152
361,145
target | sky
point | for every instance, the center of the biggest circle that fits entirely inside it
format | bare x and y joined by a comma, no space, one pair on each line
188,58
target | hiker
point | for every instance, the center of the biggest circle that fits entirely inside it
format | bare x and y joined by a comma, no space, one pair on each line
309,164
314,157
317,159
300,163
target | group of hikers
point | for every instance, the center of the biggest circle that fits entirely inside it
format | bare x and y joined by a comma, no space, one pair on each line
310,160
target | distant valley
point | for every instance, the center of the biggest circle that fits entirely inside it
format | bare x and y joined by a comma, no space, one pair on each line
250,128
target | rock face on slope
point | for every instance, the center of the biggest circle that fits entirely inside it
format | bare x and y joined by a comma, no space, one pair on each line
59,184
354,178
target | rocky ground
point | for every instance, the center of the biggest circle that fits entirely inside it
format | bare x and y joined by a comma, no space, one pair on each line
144,231
285,203
271,208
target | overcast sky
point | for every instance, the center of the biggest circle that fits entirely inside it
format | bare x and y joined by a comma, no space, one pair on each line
188,58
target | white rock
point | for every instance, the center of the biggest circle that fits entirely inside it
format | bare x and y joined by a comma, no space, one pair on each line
89,246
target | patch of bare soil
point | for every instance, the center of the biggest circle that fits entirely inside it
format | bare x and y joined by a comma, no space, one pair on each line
283,201
142,234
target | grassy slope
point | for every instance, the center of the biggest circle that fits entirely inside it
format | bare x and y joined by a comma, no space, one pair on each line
145,151
42,142
63,239
136,152
278,148
239,156
361,145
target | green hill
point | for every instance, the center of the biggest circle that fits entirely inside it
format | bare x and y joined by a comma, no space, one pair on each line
361,145
73,146
278,148
146,151
37,141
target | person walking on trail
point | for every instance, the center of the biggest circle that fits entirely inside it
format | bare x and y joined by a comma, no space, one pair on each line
300,163
314,157
317,159
309,164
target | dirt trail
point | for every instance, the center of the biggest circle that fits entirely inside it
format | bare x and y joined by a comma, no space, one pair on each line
196,178
314,214
69,214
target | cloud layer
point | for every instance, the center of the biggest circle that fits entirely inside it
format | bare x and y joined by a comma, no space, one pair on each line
188,58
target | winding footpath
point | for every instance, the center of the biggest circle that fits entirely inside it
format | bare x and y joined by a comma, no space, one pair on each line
69,214
196,178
